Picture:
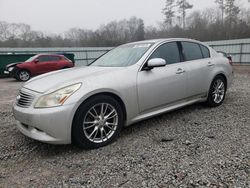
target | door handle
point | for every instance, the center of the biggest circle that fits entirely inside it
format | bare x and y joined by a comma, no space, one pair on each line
210,64
180,71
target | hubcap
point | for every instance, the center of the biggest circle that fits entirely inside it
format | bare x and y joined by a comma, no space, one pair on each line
100,122
218,91
24,75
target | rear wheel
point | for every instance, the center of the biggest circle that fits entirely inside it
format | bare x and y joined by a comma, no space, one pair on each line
23,75
97,122
217,92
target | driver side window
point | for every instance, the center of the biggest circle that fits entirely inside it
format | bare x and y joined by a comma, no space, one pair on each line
44,58
169,52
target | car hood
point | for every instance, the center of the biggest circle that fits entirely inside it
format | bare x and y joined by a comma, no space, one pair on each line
58,79
13,64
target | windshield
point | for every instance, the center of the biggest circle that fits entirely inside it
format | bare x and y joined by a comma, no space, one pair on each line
123,56
32,58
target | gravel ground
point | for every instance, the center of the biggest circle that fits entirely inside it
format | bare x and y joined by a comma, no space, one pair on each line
192,147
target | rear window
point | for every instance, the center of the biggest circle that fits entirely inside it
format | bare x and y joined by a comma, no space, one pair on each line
192,51
205,51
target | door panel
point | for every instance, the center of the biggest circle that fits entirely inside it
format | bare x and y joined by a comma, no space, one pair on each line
46,64
51,66
197,76
164,85
41,67
161,86
198,68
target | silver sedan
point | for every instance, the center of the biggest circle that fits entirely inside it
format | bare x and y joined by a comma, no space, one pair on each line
89,105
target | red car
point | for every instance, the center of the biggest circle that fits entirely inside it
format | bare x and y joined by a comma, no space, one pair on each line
38,64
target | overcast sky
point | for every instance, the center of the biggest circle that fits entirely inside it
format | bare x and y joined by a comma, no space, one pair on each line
57,16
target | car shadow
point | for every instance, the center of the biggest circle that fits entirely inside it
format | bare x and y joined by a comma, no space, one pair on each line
49,150
146,124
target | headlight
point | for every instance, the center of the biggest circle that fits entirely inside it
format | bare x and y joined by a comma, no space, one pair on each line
10,69
58,97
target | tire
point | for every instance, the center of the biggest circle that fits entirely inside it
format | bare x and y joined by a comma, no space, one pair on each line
23,75
217,92
91,129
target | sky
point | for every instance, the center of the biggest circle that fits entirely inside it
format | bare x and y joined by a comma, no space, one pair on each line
57,16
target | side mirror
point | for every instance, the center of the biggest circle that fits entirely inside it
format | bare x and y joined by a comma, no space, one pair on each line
36,60
156,62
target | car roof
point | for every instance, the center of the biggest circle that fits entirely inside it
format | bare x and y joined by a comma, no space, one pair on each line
156,41
50,54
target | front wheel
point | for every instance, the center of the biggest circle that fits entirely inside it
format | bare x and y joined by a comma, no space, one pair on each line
23,75
217,92
97,122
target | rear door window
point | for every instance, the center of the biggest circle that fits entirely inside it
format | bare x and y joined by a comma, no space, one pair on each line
205,51
54,58
191,51
45,58
169,52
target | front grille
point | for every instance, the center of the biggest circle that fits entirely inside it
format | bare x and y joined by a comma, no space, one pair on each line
24,99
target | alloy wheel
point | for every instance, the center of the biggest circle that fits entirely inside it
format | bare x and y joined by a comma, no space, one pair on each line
24,75
100,122
218,91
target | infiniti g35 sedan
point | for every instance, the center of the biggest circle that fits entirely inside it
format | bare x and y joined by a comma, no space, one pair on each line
89,105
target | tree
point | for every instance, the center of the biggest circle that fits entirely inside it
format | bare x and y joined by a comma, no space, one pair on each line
136,29
169,12
4,27
232,11
183,7
221,4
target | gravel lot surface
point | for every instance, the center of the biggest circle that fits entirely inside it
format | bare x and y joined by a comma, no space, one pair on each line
192,147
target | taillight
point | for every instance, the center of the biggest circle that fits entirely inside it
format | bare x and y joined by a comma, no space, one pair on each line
230,60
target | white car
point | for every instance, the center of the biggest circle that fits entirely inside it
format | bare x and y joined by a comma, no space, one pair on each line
89,105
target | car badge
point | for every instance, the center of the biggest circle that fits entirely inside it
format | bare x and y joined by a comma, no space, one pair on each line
18,97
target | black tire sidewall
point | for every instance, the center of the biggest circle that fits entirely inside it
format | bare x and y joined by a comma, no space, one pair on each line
78,136
210,101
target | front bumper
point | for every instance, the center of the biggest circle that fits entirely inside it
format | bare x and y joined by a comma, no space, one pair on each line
10,73
48,125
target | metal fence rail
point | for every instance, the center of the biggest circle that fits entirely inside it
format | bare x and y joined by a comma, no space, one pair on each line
239,49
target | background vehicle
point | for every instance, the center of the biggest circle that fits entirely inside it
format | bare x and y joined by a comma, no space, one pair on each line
38,64
89,105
